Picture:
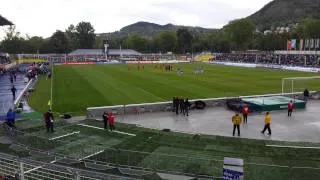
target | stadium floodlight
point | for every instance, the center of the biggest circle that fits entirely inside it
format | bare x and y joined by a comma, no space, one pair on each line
293,82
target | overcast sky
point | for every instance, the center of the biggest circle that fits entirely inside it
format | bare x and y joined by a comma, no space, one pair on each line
43,17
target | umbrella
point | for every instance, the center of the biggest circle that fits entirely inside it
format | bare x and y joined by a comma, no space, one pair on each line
4,21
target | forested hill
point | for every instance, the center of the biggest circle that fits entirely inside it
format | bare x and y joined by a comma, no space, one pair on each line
147,29
283,12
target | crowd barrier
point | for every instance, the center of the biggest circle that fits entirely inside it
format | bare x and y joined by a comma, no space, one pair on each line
96,112
272,66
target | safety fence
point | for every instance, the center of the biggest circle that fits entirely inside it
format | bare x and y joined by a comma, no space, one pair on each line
145,164
26,168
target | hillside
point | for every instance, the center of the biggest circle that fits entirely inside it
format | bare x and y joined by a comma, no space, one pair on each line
282,12
147,29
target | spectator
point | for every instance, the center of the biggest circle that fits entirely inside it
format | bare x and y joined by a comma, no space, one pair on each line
48,118
306,94
186,106
105,117
111,119
11,116
13,91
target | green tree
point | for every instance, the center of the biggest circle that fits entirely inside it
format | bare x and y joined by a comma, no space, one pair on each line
12,42
137,42
166,41
71,33
309,28
59,42
184,38
85,35
240,33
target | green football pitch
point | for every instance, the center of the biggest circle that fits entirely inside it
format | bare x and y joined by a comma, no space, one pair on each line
80,86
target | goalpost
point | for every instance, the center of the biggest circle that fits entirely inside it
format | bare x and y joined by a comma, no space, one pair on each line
299,84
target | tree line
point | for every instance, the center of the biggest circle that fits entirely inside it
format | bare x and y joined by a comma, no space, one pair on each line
237,35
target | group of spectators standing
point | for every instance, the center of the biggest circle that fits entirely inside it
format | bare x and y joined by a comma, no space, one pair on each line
181,104
272,59
108,119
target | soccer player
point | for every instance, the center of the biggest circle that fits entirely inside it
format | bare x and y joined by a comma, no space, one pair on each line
236,120
267,123
245,112
290,108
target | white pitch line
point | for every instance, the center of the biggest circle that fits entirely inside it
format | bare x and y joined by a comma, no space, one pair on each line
119,132
69,134
91,155
38,167
294,147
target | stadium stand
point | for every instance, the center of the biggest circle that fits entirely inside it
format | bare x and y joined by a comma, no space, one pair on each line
302,60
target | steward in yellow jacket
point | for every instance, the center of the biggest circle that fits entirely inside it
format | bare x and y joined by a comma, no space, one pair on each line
267,122
236,120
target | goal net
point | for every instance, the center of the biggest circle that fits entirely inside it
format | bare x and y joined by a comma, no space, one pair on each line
299,84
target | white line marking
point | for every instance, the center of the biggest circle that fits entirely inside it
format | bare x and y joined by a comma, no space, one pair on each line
119,132
91,155
294,147
69,134
38,167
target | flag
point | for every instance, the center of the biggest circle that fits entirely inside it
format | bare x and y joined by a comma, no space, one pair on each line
311,45
49,103
306,45
288,45
293,43
317,44
301,45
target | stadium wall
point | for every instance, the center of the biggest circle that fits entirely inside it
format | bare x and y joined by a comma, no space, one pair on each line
96,112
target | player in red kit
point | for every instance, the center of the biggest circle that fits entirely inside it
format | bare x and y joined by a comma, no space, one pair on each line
290,108
245,112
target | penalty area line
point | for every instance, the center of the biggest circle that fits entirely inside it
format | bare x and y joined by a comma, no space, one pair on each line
62,136
293,147
119,132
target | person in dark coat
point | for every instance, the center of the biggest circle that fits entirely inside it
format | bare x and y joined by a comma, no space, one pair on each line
11,116
181,105
48,119
105,120
173,104
186,106
306,94
177,105
13,91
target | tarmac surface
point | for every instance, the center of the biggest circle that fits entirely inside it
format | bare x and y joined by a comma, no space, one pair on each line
303,126
6,98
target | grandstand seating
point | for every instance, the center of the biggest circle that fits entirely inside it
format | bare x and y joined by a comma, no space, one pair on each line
285,59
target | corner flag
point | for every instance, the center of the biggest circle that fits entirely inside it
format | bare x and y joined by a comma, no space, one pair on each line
49,103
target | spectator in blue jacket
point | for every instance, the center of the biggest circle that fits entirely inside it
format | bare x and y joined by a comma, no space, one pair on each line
11,116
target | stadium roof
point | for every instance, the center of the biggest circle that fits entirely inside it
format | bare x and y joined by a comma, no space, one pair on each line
100,52
4,21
